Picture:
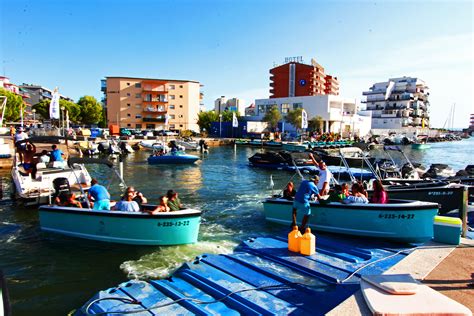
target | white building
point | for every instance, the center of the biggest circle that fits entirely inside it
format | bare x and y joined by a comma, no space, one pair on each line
235,104
398,103
340,115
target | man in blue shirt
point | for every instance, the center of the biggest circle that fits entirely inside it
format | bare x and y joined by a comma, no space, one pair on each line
307,189
100,195
56,154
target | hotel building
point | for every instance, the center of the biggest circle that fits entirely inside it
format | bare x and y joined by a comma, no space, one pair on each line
143,103
295,79
398,103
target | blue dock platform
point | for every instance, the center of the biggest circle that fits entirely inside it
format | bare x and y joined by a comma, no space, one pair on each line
261,277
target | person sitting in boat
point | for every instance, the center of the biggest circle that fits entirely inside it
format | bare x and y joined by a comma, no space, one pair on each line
289,191
137,196
325,175
335,195
44,157
162,207
357,195
174,203
61,199
379,195
99,195
71,201
127,204
306,190
56,154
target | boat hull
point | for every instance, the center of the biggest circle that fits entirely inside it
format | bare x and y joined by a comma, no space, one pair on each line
401,222
171,228
420,146
294,147
172,159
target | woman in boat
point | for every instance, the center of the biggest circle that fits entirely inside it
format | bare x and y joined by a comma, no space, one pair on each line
127,204
174,203
163,207
357,195
380,195
72,202
289,191
137,196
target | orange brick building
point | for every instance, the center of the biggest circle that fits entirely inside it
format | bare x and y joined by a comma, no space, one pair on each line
295,79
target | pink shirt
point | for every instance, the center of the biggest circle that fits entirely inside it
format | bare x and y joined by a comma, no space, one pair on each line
381,198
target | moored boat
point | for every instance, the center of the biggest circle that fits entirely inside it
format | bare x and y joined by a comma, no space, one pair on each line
401,221
167,228
295,146
354,157
173,158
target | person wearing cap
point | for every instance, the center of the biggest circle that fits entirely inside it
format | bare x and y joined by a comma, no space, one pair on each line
325,175
306,190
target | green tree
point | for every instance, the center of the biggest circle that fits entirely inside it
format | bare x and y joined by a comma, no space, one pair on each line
227,115
272,117
74,111
294,117
91,110
206,118
315,123
14,104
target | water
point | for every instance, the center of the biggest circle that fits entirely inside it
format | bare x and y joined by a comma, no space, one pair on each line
50,275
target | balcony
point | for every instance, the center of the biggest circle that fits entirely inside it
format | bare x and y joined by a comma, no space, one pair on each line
154,119
158,109
390,114
158,99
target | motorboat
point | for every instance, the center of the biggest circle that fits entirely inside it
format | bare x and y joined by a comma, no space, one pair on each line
172,158
354,157
399,220
88,148
272,144
295,146
281,159
421,142
187,144
49,179
135,228
153,145
439,171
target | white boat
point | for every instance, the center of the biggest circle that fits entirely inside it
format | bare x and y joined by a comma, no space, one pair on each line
153,145
188,145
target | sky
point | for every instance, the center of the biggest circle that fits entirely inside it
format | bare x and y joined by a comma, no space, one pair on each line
230,46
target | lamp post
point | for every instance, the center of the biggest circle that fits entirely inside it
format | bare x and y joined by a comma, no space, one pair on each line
34,116
62,124
220,125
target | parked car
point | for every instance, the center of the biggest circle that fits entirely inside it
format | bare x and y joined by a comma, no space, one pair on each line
125,132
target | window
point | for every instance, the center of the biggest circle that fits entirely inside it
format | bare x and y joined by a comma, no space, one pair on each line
138,95
128,125
172,126
181,86
128,83
128,94
128,104
128,114
285,108
180,106
180,116
181,96
171,97
171,106
172,116
138,126
138,85
150,126
138,106
261,108
138,116
297,106
181,125
171,87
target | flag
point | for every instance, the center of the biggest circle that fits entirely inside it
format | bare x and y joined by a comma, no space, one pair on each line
54,105
304,119
235,123
167,118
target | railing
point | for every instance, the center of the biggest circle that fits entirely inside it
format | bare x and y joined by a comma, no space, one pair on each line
153,119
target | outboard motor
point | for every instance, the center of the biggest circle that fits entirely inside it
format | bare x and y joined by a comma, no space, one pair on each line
61,186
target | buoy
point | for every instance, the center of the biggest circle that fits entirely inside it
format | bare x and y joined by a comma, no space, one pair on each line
294,240
308,243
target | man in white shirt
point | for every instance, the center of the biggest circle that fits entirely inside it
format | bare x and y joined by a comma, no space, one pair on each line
325,176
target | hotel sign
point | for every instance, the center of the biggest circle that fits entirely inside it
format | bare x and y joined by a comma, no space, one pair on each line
296,59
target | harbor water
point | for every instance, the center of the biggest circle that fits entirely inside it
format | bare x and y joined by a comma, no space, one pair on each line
49,274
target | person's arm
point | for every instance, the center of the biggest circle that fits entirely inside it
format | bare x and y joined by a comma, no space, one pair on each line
144,199
325,188
311,156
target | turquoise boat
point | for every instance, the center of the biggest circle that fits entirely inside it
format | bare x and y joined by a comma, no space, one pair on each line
168,228
401,221
177,158
295,146
420,146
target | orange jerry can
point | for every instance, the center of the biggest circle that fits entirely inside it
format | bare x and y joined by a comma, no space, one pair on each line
294,240
308,243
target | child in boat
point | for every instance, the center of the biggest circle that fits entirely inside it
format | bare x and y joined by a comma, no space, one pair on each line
289,191
72,202
336,195
379,195
162,207
357,195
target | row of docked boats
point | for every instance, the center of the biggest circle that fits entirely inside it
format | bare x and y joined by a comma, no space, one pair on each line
292,146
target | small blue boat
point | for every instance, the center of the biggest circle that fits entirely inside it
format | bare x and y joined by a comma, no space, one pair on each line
167,228
176,158
420,146
401,221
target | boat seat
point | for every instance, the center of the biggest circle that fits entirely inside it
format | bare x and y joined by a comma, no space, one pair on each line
58,164
41,165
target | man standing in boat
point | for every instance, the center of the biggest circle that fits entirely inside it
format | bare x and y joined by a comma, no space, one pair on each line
307,189
100,196
325,175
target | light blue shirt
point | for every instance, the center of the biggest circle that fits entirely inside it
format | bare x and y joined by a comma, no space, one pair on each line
306,189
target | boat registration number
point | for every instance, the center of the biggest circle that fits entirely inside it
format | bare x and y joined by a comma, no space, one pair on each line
173,224
396,216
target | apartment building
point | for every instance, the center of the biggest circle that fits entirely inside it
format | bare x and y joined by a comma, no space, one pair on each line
295,79
398,103
9,86
156,104
235,104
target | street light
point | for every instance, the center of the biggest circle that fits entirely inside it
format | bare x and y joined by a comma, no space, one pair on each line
220,125
34,116
62,124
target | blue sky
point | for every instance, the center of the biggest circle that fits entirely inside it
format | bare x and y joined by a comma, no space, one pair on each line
229,46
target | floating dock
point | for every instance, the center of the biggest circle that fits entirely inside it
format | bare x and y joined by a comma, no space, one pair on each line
261,277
